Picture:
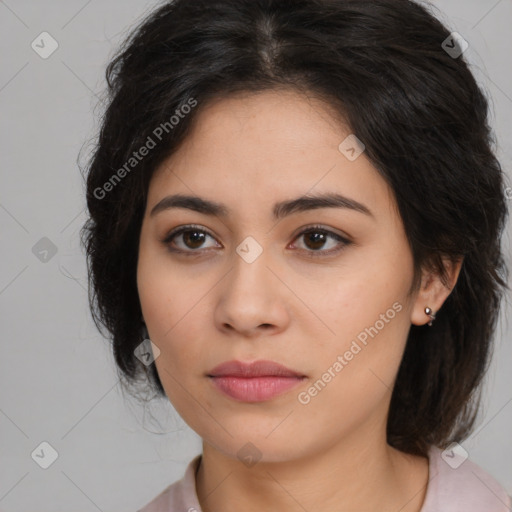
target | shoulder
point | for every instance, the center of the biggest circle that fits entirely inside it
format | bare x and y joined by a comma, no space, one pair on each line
458,484
180,495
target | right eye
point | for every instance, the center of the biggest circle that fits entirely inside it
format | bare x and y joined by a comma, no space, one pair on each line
192,238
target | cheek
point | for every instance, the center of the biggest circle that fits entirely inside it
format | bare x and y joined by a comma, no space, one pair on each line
167,295
355,302
170,304
367,314
354,380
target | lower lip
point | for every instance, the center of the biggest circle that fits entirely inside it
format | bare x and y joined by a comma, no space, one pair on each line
255,389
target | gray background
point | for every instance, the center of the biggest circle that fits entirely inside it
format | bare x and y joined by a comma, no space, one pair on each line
57,378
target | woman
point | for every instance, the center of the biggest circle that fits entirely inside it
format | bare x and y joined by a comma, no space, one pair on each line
294,235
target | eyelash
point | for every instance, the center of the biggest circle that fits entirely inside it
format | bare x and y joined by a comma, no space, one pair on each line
311,229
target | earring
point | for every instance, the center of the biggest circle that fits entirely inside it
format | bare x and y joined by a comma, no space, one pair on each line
431,314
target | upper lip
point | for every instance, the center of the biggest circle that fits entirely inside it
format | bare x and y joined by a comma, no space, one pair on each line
261,368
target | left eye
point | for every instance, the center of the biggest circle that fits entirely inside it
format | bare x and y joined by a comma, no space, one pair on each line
315,238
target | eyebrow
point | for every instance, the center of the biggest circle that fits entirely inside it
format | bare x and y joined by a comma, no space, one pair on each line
280,210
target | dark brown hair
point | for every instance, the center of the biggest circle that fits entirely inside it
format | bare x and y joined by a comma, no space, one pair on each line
421,115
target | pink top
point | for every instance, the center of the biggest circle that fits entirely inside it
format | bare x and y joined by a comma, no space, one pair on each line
466,488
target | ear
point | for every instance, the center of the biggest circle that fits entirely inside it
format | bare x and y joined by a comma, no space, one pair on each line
433,292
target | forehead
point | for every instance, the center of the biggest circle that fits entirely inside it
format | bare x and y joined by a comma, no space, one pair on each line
250,151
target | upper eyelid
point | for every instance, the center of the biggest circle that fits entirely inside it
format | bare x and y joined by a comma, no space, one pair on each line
189,227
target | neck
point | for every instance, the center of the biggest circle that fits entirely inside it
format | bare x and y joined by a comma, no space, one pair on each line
344,477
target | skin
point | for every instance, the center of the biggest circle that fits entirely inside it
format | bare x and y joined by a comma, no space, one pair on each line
330,454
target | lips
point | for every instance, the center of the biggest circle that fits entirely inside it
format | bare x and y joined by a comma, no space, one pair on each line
254,382
262,368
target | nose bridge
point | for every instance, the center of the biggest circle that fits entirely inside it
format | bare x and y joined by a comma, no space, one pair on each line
250,275
249,296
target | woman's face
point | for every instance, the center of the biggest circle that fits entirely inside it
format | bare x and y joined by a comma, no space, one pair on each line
246,285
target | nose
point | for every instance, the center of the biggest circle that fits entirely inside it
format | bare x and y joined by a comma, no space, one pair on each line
252,300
